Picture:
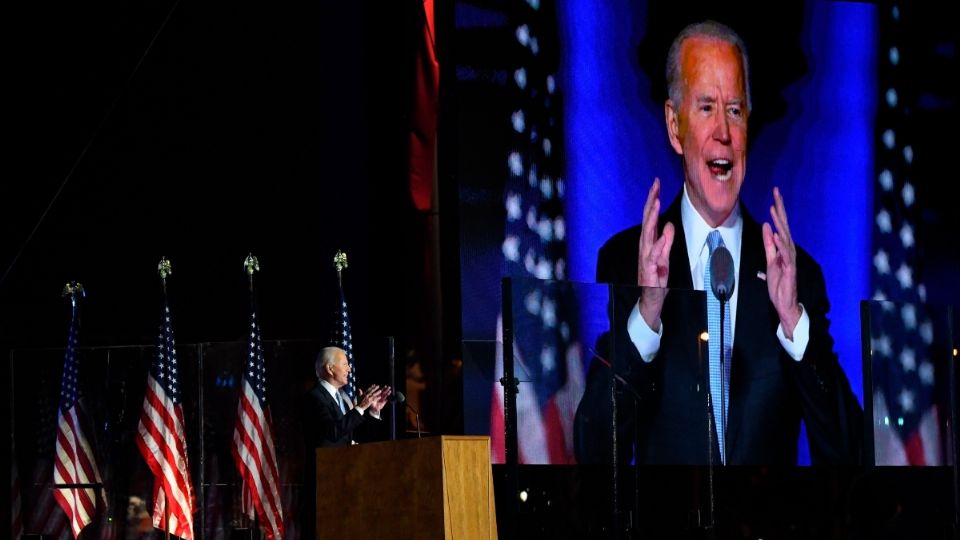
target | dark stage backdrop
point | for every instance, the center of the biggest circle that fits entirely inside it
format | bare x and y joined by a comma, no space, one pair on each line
560,133
241,130
204,132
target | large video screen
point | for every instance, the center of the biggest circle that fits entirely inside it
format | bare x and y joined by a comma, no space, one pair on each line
560,132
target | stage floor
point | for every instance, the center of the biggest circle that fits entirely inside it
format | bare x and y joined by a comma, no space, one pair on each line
576,501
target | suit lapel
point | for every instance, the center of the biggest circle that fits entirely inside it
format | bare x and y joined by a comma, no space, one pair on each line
329,401
752,295
679,262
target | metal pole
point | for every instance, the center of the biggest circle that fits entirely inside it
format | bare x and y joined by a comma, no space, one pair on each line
954,416
615,517
509,383
203,469
393,388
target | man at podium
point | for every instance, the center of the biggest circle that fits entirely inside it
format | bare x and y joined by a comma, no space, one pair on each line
330,418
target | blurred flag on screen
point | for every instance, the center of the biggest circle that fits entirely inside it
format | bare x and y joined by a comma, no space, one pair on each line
546,353
906,417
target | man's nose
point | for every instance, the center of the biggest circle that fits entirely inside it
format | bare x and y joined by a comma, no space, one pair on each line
721,131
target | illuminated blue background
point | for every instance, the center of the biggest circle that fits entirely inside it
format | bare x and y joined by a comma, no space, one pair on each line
820,153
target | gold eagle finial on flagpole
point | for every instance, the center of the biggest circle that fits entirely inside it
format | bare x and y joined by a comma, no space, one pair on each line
73,289
251,265
340,263
164,268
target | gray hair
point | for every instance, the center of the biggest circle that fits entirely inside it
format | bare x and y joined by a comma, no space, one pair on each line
326,357
707,29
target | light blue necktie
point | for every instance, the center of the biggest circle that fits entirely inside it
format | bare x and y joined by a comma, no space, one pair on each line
720,402
343,410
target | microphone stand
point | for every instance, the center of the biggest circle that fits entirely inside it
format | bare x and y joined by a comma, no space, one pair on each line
637,398
723,376
416,415
400,398
710,527
722,285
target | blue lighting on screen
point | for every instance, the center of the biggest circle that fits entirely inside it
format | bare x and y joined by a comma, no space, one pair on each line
820,153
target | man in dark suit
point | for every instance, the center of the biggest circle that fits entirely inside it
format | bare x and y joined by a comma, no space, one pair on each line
330,419
781,363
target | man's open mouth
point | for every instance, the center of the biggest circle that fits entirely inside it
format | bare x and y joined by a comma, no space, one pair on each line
720,169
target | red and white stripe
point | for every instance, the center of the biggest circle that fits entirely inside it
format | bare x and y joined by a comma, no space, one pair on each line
75,464
921,447
46,516
544,435
163,445
255,457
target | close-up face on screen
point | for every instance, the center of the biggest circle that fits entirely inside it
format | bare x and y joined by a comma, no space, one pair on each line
566,113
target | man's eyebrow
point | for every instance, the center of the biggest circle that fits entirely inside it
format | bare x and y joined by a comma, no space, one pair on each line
706,99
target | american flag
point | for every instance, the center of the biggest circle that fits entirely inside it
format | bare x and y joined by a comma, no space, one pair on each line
75,460
253,449
161,438
341,337
905,417
547,355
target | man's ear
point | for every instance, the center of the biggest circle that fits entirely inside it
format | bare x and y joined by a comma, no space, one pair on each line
672,120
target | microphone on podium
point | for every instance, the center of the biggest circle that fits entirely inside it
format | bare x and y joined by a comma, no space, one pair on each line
398,397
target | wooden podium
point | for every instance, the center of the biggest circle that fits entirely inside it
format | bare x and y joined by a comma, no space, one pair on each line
435,487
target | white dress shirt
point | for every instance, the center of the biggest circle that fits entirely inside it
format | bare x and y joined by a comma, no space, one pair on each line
347,405
695,231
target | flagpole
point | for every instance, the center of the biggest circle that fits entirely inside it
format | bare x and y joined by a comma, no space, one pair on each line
164,269
250,265
201,400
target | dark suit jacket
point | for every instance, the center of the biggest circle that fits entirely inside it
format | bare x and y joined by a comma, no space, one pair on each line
769,391
324,425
